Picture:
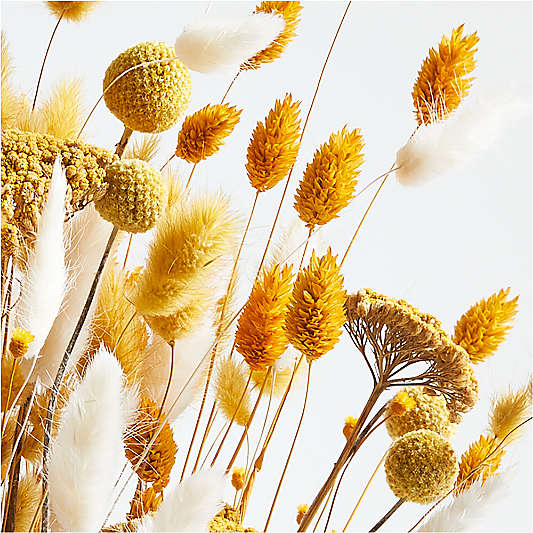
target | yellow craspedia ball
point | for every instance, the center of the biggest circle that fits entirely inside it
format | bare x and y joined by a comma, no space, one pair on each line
430,412
135,196
149,99
421,466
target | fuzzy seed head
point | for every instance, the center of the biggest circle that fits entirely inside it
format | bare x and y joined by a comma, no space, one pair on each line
73,11
237,478
421,466
329,180
20,342
203,133
442,80
274,145
316,310
149,99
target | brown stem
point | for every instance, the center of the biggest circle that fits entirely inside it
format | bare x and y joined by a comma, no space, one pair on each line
172,343
305,249
44,60
121,145
250,419
204,438
292,447
323,510
190,176
229,87
9,293
127,252
168,161
387,515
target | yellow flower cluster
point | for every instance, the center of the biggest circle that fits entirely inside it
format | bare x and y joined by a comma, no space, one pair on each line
274,145
429,411
27,162
237,478
442,80
401,404
421,466
485,325
316,310
152,98
329,180
20,342
202,133
134,198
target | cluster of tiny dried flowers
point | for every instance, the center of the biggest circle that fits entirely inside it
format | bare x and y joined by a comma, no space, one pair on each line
203,133
329,181
274,145
442,80
316,310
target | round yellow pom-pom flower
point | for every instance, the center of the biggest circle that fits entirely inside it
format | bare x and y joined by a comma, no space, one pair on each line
421,466
20,342
429,411
134,198
152,98
74,11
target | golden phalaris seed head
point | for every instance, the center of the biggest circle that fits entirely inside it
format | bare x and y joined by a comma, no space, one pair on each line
428,411
316,310
237,478
260,336
74,11
134,199
421,466
302,511
329,181
274,145
203,133
349,426
144,502
20,342
156,466
27,162
482,329
442,80
149,99
480,461
290,11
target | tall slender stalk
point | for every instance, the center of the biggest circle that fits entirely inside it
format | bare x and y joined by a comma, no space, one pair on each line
172,344
387,515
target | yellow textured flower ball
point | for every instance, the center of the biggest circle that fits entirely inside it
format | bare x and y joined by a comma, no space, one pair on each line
150,99
429,412
135,196
421,466
20,342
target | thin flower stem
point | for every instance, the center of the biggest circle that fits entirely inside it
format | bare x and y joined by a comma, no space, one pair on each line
213,444
127,252
364,491
44,60
305,249
9,291
167,162
323,509
229,87
301,136
210,421
387,515
250,419
292,447
37,511
190,176
172,343
12,375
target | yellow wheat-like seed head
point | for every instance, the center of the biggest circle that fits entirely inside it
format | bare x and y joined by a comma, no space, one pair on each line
74,11
237,478
156,466
203,133
274,145
484,458
260,336
485,325
316,310
20,342
349,426
442,80
329,180
290,11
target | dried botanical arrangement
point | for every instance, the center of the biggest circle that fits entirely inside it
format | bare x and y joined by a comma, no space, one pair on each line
99,361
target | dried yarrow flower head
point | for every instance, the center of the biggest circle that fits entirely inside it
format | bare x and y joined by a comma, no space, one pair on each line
479,462
152,98
316,310
485,325
349,425
134,198
301,511
274,145
203,133
20,342
442,80
400,335
156,466
429,411
237,478
329,181
260,336
421,466
74,11
290,11
27,163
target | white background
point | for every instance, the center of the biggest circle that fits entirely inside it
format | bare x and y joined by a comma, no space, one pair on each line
442,246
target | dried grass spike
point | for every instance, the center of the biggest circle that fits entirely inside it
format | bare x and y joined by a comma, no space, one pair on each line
28,499
144,148
230,381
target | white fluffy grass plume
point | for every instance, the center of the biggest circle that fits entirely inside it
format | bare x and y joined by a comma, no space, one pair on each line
190,506
88,453
451,144
44,278
216,43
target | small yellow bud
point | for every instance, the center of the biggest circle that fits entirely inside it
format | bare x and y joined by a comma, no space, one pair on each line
349,425
20,342
302,510
401,404
237,478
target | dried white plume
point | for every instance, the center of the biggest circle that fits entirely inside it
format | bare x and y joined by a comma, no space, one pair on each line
88,453
215,43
